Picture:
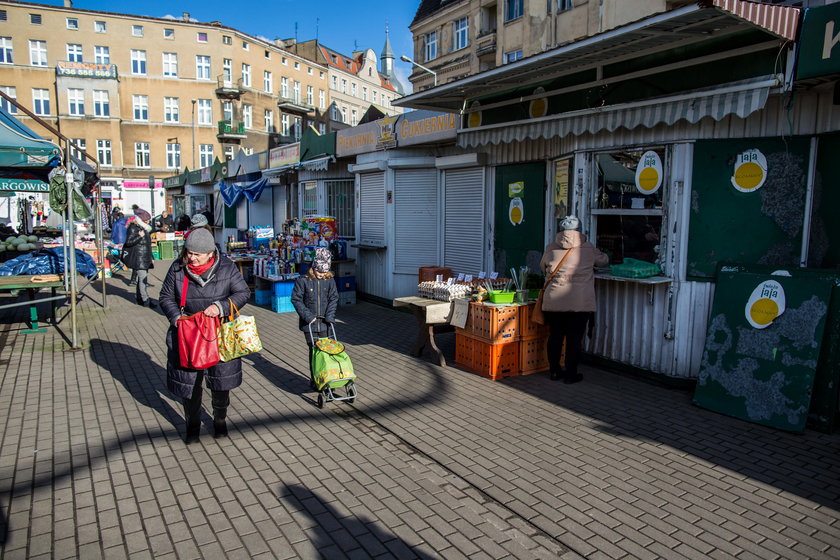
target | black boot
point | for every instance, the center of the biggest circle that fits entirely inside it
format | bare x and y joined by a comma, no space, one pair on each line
221,401
192,433
192,414
220,429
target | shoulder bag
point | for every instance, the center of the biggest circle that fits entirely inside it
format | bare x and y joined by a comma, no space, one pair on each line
238,336
197,334
537,315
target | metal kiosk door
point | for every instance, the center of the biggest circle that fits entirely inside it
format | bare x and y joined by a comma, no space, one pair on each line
519,217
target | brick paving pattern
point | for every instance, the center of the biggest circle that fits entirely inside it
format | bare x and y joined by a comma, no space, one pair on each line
429,462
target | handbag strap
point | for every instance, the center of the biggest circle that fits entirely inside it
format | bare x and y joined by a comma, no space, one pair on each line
547,282
184,289
234,311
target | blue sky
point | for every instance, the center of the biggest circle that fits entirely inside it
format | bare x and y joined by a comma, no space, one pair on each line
339,25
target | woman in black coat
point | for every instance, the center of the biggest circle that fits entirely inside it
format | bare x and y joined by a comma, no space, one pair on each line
138,253
213,281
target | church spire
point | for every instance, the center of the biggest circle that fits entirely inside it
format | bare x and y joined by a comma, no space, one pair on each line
387,57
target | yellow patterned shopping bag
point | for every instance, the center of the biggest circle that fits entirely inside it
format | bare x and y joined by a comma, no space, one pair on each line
238,336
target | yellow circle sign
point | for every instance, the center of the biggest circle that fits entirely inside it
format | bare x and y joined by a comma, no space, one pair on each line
764,311
539,106
649,173
750,171
474,118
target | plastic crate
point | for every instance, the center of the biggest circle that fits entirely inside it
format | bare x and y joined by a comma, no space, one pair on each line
532,355
262,297
166,249
282,304
346,298
493,324
634,268
346,283
527,329
283,289
498,296
155,254
494,361
345,268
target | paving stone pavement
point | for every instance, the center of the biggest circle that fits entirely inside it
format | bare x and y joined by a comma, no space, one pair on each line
429,462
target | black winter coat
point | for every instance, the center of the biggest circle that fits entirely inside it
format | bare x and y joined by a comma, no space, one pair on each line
138,248
315,298
221,282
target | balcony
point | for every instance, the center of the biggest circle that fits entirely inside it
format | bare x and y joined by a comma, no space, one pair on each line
230,132
486,43
228,89
292,105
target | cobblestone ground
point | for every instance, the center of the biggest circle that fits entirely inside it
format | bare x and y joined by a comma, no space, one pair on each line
429,462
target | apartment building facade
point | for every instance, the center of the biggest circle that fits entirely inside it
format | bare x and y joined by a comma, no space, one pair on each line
150,96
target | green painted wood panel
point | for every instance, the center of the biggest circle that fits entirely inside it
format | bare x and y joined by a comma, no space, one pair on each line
522,243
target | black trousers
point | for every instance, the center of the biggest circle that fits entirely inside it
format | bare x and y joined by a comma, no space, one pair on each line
192,405
569,326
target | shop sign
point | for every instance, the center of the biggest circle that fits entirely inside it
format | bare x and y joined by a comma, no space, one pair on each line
206,174
284,155
357,140
170,182
85,69
416,127
516,210
141,184
649,173
24,185
386,138
750,171
819,44
421,127
766,303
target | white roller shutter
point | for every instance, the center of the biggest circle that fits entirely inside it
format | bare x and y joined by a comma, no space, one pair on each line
415,219
463,220
372,209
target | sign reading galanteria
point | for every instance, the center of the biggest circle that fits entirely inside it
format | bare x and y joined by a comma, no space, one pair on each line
85,69
23,185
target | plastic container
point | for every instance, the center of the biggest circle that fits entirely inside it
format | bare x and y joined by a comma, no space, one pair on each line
166,249
498,296
282,304
262,297
528,329
532,355
346,283
283,289
346,298
634,268
496,325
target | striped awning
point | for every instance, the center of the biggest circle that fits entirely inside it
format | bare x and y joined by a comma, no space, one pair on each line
741,99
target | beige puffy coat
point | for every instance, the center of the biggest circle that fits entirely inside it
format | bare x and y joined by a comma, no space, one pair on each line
573,287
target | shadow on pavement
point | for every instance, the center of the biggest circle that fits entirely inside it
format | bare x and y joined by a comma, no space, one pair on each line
284,379
334,535
3,528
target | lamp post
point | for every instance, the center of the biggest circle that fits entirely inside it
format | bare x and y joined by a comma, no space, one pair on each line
421,67
193,133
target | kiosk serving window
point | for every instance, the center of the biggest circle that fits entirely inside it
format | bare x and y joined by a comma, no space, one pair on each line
630,188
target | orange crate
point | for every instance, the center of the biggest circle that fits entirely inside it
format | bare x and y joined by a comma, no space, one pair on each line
527,329
494,361
493,324
533,357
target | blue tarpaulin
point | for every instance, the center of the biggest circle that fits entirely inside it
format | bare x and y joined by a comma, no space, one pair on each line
233,191
48,261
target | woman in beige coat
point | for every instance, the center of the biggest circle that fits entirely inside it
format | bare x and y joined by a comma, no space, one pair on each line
569,298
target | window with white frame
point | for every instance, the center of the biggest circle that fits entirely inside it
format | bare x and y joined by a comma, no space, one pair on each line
461,34
202,67
103,152
322,99
353,89
6,51
248,115
227,111
343,86
140,106
100,26
310,198
375,95
284,124
142,154
513,9
170,64
35,19
513,56
310,95
353,118
41,101
76,101
563,5
335,114
137,30
267,81
80,146
101,103
74,52
297,65
102,55
344,113
228,153
284,87
364,93
11,91
267,53
322,128
269,120
227,71
205,111
245,46
73,24
201,37
296,92
430,46
284,61
171,112
205,155
168,33
335,82
138,62
246,75
173,156
227,39
37,53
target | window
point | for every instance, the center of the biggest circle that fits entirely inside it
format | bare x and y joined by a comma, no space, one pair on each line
99,26
73,23
170,64
6,52
228,153
267,81
142,154
284,60
248,115
340,203
35,19
563,5
267,54
513,9
284,87
374,95
41,101
310,198
284,125
201,37
310,95
170,110
430,46
103,152
335,115
298,128
137,30
322,99
297,65
343,86
334,82
101,103
227,71
344,114
353,117
322,128
74,52
353,89
168,33
269,120
38,53
246,75
202,67
227,111
205,155
513,56
461,39
140,104
76,101
11,91
226,39
309,70
101,55
244,46
173,156
205,111
364,93
296,92
3,15
138,62
80,146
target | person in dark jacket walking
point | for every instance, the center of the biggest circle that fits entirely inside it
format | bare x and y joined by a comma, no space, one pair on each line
138,249
315,297
211,282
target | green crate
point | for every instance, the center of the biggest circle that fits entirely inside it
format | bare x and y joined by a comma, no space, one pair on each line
155,254
166,249
634,268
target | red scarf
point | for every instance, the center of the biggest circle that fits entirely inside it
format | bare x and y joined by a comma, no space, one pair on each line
201,269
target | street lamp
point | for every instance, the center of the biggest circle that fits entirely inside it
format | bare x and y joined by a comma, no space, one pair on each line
421,67
193,133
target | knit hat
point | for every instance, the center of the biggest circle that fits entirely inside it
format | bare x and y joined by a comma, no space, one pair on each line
198,220
323,260
570,222
200,241
142,214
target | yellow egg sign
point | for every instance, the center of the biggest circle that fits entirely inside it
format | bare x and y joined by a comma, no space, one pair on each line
474,119
516,211
766,302
649,173
539,106
750,171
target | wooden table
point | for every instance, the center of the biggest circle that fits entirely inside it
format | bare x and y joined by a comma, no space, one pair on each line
24,282
432,316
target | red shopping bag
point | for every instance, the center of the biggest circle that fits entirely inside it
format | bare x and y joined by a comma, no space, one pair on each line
197,334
